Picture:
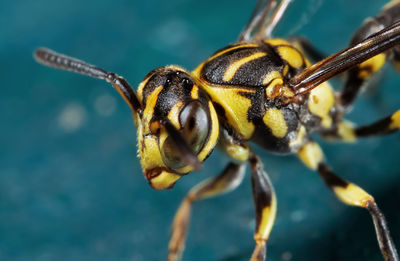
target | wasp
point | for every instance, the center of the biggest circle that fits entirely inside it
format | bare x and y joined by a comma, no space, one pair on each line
260,90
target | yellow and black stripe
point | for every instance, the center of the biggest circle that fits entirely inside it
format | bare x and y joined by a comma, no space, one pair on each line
351,194
246,83
265,207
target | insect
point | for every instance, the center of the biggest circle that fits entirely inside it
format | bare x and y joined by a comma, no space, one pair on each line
262,90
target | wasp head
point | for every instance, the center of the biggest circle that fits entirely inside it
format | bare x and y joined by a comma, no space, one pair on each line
178,127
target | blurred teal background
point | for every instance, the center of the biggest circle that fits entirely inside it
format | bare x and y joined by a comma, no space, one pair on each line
71,186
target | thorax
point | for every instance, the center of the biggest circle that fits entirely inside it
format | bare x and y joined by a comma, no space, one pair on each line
247,85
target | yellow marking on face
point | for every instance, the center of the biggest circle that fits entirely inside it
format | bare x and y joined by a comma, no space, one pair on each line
267,221
150,156
299,139
235,106
311,155
140,88
346,131
353,195
149,109
173,115
274,119
274,89
234,67
164,180
271,76
320,102
373,64
195,92
395,124
238,152
277,41
214,134
291,55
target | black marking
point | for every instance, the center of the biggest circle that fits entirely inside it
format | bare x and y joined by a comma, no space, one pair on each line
250,74
330,178
220,111
378,128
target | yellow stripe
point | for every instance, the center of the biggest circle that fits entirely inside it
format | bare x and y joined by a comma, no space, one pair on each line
346,131
149,110
238,152
267,221
212,140
371,65
276,41
232,69
311,155
164,180
274,119
195,92
291,55
173,115
141,87
320,102
270,76
395,121
353,195
236,107
231,49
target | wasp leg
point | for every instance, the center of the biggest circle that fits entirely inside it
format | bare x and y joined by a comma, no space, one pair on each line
385,126
228,180
265,207
358,76
346,131
351,194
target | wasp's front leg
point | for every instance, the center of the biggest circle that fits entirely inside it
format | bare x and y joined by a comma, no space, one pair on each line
228,180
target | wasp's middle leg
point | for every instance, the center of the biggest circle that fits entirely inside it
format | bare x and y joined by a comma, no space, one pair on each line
265,207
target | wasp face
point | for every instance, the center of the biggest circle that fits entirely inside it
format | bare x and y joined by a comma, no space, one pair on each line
170,96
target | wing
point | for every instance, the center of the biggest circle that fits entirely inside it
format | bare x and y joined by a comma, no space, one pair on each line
263,20
337,63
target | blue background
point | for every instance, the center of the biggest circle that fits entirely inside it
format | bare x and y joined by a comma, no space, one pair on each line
71,186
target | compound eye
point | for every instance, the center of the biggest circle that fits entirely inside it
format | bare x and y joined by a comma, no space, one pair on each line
195,128
194,119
